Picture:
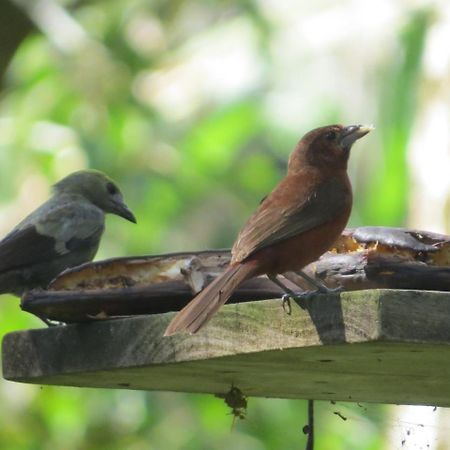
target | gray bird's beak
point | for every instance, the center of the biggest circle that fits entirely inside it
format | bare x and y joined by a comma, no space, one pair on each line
352,133
122,210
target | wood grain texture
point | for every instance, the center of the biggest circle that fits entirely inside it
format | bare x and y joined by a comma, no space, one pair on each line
387,346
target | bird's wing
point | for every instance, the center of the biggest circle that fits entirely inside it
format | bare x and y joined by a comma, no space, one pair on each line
53,230
274,222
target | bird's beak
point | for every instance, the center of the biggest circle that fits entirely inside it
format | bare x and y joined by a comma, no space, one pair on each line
352,133
122,210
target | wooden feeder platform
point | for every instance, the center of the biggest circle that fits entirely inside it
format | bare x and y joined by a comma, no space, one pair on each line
381,345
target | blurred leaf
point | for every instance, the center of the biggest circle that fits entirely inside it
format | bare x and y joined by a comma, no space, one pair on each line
386,199
212,145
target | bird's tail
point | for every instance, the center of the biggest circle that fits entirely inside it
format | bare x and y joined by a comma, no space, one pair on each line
200,310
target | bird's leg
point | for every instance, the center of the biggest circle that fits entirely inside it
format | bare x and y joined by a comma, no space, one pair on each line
321,288
289,293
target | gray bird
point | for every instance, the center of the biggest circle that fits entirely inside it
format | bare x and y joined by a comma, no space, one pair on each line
63,232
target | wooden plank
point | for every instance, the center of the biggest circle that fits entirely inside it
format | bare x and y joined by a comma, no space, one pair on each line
387,346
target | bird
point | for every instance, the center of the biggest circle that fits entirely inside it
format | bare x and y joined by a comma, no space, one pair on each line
63,232
292,226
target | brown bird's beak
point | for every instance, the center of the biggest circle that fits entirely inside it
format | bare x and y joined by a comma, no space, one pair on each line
352,133
122,210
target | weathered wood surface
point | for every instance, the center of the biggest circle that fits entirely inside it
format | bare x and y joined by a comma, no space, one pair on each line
362,258
387,346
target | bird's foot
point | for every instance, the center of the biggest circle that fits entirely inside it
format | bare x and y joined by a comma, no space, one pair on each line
302,297
286,303
299,297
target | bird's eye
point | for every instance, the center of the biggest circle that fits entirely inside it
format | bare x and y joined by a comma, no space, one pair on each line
330,136
111,188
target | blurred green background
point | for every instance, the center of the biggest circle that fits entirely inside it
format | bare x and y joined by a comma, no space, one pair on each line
193,107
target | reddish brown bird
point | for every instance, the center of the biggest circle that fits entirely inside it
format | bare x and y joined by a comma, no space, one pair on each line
295,224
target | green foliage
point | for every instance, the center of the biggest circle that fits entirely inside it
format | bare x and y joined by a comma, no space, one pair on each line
386,200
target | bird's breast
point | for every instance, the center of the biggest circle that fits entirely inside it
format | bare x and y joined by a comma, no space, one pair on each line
298,251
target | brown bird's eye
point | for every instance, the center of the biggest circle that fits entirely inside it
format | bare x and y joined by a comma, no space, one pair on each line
330,136
111,188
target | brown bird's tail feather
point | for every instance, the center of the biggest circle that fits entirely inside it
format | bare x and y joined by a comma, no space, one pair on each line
196,314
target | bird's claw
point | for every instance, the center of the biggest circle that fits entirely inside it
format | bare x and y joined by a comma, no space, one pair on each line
286,303
298,297
302,297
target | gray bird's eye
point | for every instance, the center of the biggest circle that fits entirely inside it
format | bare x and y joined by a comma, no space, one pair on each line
330,136
111,188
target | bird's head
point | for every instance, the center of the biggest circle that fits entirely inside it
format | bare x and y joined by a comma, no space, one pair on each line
327,146
99,189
